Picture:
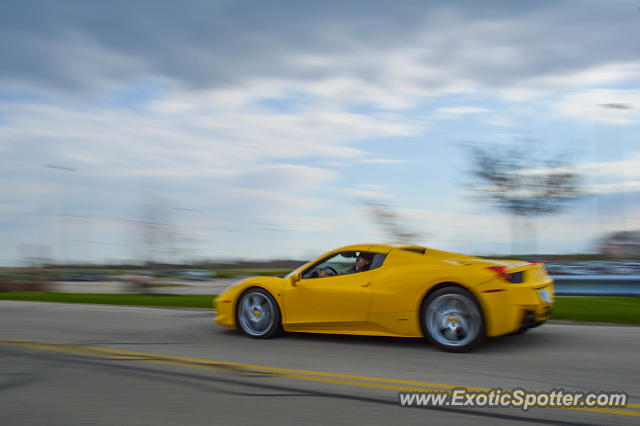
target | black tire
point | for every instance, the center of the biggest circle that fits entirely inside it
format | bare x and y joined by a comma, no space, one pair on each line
452,319
258,314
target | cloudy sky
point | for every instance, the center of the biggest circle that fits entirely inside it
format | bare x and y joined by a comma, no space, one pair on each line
258,129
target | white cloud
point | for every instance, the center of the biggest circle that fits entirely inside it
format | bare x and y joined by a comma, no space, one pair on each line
380,161
625,168
373,187
448,113
628,168
613,188
499,121
368,194
211,141
542,86
603,176
609,106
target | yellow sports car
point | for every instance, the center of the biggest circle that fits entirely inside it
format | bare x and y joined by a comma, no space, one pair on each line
452,299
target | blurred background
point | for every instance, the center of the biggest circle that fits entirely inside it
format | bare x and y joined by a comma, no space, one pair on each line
145,133
153,152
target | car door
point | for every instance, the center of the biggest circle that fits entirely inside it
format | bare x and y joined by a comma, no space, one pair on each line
340,301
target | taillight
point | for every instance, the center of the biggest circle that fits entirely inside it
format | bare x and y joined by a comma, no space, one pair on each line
501,271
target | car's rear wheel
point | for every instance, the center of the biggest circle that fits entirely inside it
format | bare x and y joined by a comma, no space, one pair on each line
452,319
258,314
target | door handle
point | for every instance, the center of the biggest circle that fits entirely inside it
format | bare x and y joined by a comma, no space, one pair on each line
366,284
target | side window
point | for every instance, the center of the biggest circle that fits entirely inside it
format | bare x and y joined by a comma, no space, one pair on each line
343,263
378,260
338,264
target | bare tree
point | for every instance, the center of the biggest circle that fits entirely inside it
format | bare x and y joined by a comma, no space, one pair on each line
518,179
157,231
390,221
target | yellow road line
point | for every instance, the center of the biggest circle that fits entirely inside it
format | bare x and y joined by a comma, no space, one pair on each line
315,376
205,362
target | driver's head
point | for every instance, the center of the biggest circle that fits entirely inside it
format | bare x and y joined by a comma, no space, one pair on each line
363,260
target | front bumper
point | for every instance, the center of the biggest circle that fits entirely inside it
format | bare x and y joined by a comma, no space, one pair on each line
224,311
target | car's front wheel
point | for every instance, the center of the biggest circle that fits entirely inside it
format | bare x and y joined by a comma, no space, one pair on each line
452,319
258,314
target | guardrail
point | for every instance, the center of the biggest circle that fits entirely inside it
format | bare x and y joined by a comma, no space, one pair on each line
597,285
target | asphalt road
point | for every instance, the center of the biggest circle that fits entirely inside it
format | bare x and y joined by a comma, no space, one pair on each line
90,364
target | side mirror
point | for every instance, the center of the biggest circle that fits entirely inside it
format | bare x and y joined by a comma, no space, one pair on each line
295,278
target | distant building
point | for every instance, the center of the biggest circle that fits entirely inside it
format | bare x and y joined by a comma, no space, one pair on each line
621,243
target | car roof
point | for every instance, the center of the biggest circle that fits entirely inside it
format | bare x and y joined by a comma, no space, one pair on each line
381,248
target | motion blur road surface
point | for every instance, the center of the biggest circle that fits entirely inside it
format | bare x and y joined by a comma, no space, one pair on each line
90,364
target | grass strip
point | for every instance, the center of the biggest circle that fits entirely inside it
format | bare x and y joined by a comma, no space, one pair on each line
601,309
181,301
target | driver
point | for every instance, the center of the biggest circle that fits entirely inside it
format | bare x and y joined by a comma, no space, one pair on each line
362,264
